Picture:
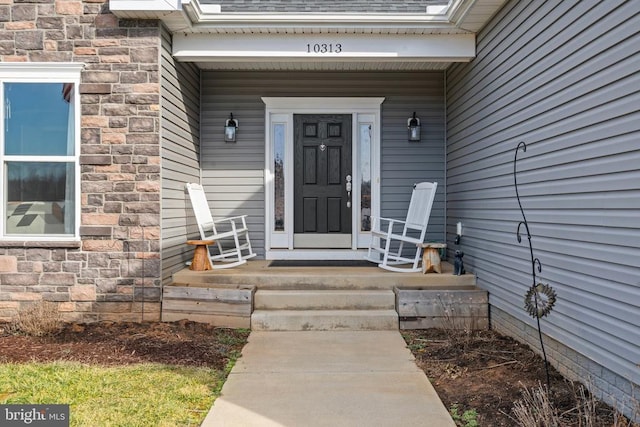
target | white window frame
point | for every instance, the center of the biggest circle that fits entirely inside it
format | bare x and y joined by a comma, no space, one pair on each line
37,72
280,110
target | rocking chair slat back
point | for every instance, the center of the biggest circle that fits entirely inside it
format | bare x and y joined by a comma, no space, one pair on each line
420,206
201,209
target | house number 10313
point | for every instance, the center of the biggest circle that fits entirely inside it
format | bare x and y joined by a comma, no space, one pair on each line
324,48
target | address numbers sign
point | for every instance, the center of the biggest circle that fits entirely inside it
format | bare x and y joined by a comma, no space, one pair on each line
324,47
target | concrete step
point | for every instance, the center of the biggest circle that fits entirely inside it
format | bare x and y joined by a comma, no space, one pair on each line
259,274
324,300
324,320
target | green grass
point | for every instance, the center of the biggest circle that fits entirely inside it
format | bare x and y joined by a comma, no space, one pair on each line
133,395
237,339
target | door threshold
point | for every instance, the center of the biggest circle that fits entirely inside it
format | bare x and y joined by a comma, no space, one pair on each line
316,254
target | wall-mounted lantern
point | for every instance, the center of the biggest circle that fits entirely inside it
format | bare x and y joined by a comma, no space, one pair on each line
413,125
230,128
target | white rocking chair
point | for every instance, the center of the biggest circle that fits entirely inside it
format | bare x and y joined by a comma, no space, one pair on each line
389,236
228,231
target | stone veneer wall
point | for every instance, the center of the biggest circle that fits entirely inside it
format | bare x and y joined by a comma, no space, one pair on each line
114,272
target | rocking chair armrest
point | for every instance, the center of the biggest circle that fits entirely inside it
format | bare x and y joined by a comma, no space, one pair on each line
230,226
377,226
391,222
230,219
237,223
405,238
381,218
225,234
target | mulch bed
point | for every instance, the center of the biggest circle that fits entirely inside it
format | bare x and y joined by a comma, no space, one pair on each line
486,371
108,343
483,370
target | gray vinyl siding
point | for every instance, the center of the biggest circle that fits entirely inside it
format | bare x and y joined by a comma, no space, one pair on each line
233,174
564,77
180,128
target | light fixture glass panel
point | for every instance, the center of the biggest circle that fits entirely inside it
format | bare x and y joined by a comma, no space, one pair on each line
230,133
414,133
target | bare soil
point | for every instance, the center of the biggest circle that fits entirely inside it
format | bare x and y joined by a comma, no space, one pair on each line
487,372
481,371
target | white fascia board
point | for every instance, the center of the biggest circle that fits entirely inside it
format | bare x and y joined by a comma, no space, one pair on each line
472,15
437,9
197,11
324,47
457,8
324,19
204,15
145,5
331,105
170,12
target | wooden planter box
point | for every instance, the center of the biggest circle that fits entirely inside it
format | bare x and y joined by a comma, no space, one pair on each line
464,308
229,307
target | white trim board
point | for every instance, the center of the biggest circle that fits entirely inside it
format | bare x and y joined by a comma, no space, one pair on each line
44,72
324,47
317,254
280,110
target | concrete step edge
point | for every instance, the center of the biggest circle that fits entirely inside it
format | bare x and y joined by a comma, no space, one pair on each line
299,320
326,312
328,291
324,299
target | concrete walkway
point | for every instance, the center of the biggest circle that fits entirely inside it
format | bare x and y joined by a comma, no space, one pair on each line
326,378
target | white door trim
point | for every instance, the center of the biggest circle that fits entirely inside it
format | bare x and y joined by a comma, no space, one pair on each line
280,110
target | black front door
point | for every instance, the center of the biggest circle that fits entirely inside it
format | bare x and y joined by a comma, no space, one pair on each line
322,193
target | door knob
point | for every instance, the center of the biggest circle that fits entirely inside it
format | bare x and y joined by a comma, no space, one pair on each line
348,185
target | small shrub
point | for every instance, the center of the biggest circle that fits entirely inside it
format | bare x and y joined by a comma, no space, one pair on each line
586,407
39,319
619,420
468,418
460,331
535,409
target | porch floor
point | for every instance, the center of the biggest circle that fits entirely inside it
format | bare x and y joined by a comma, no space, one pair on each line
258,273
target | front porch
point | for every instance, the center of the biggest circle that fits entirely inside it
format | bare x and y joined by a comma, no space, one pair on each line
260,296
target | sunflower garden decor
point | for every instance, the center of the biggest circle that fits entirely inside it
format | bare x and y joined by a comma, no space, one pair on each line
540,297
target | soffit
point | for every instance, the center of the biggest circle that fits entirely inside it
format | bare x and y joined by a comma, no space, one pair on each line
323,66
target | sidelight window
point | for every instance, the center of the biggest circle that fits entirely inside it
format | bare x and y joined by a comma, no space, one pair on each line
278,175
365,177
